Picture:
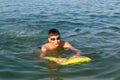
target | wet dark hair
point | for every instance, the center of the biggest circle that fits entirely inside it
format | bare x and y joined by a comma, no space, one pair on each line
53,32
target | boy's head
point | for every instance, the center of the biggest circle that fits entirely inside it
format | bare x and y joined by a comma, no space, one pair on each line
53,32
54,37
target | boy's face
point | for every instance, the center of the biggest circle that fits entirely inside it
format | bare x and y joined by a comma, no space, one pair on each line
55,40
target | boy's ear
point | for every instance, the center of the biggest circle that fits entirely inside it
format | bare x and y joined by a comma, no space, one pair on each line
49,39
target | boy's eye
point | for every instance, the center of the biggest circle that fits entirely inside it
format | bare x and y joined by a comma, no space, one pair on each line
53,39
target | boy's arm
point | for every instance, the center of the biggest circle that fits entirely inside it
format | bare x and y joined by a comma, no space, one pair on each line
43,51
78,52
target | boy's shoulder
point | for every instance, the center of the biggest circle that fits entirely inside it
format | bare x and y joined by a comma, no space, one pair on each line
45,45
65,42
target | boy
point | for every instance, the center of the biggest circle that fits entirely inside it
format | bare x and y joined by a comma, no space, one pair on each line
55,44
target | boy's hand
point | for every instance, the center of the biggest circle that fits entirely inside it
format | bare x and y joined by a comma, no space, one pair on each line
60,60
75,56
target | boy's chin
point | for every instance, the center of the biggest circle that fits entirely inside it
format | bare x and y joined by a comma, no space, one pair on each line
56,45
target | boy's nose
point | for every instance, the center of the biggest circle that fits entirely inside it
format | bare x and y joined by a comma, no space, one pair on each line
56,41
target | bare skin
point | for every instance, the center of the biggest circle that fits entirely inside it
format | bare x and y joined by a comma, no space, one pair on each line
53,47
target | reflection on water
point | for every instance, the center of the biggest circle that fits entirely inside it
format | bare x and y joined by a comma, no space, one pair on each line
53,68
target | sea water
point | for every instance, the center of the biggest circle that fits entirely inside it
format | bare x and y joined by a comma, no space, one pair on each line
93,26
